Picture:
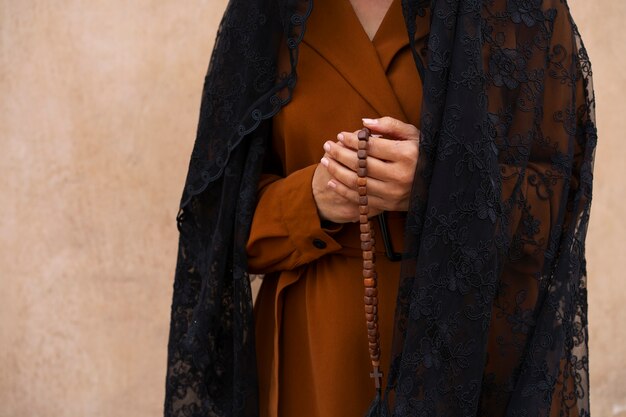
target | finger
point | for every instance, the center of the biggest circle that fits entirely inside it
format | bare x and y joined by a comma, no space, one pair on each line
373,202
391,127
385,195
382,148
376,168
343,164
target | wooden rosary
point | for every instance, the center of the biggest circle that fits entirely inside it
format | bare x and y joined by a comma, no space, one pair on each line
369,261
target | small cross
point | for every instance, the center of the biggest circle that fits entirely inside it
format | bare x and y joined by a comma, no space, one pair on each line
377,375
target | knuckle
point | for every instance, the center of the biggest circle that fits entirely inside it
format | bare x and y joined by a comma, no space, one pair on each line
406,177
353,181
412,152
396,193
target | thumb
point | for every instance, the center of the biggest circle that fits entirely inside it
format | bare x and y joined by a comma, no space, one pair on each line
392,128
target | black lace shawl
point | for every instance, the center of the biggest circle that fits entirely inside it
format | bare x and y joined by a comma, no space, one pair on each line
502,188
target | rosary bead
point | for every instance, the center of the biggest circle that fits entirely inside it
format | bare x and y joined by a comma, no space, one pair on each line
362,163
363,200
368,273
366,237
369,282
371,292
368,254
362,144
363,134
365,228
363,210
363,219
361,182
361,153
371,300
368,264
366,245
362,190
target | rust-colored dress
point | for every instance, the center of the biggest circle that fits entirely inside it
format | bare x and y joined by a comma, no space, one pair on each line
310,326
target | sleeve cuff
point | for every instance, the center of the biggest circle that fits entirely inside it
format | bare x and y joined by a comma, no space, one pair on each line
310,237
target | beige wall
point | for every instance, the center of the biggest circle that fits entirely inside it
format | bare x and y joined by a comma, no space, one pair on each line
98,109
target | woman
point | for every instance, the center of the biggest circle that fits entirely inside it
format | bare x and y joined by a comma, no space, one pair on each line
490,317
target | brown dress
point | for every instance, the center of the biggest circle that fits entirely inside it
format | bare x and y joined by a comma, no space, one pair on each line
311,337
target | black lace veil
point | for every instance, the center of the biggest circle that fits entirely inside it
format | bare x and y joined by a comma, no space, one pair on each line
491,318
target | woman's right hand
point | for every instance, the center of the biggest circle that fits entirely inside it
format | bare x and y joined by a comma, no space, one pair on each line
330,205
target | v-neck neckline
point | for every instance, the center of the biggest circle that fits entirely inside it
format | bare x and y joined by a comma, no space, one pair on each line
335,33
380,25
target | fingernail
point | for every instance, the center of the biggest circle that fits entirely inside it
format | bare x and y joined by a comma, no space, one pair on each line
370,121
324,161
332,184
327,146
340,137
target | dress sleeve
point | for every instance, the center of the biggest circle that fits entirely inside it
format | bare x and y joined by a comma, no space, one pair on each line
286,229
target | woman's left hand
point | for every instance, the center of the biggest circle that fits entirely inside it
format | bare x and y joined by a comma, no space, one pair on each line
391,162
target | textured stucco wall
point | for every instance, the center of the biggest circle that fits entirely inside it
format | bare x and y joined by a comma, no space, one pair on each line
98,109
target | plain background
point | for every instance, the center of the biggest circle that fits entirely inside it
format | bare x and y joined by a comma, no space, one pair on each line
98,109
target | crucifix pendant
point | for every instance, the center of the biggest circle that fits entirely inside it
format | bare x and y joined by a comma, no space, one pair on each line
378,376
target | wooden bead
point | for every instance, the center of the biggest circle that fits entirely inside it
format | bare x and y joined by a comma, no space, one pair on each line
363,200
361,153
362,144
376,362
366,237
368,273
363,210
361,182
371,316
363,219
372,325
370,300
365,228
363,134
361,172
362,190
368,254
362,163
372,332
370,309
366,246
369,283
371,292
368,264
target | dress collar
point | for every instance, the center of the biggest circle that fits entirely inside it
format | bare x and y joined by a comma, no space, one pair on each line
335,33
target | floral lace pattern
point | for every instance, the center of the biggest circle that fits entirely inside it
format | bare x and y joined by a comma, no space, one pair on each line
492,315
